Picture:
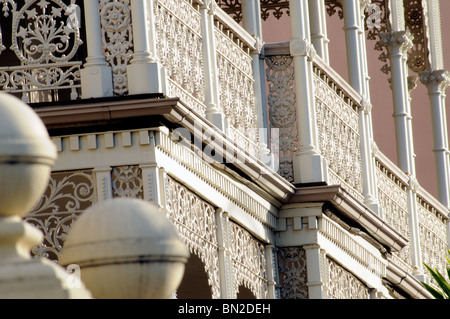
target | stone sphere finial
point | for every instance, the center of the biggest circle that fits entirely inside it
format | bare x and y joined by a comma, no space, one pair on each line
26,156
126,248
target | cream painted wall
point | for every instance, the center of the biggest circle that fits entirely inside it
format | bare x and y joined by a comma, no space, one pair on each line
384,131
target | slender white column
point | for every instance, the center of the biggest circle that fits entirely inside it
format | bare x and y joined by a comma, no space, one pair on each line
359,80
212,102
309,165
437,81
351,29
251,19
144,73
319,28
397,44
96,76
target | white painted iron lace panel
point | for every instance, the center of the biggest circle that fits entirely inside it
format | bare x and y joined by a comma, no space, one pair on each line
344,285
249,261
237,96
127,181
282,111
433,237
338,134
117,40
393,200
68,194
195,221
292,273
45,36
179,46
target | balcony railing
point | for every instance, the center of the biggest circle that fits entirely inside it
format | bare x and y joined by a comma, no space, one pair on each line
204,52
338,128
432,217
337,118
204,70
40,49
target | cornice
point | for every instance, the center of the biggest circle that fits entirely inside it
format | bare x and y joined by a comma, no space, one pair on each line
351,209
90,112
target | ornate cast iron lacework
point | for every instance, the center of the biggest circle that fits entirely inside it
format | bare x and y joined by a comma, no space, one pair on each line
249,261
127,182
277,7
195,221
117,40
68,194
332,7
415,24
292,273
376,21
282,112
179,48
42,39
344,285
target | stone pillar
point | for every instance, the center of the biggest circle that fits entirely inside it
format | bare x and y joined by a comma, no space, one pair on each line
309,165
96,76
299,254
315,282
144,73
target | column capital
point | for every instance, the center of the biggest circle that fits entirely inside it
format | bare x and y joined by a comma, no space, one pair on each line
436,81
209,5
413,184
302,47
397,42
412,82
366,105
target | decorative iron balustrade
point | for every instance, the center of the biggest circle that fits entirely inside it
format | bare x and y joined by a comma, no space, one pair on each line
180,45
43,53
186,53
336,116
40,49
393,201
338,129
432,217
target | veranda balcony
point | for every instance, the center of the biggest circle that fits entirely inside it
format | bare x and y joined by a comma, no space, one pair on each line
207,62
204,53
400,198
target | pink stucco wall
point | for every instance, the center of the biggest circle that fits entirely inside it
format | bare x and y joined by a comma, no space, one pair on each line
384,130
